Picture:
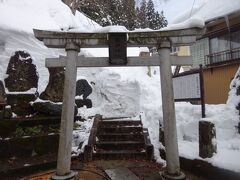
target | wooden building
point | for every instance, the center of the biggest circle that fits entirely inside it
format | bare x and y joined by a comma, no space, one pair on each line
218,50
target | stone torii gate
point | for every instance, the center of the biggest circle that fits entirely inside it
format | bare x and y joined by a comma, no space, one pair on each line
73,41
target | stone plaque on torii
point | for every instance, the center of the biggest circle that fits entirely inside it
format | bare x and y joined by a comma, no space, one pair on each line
73,41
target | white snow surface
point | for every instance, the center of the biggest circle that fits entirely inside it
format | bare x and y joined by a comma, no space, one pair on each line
117,91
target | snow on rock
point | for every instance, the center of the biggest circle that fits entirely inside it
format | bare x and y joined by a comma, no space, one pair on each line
23,41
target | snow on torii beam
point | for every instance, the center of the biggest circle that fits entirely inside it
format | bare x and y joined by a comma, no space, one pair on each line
135,39
72,42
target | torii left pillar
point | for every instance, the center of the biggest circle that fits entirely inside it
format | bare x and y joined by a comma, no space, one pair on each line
65,142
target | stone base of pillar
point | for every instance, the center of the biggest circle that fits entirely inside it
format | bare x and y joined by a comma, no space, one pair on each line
167,176
69,176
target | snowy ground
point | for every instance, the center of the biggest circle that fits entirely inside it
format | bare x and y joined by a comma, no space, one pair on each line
117,91
225,119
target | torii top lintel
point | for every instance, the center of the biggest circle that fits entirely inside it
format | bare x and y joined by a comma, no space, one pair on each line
58,39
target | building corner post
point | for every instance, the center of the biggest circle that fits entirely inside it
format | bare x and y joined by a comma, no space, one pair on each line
65,139
169,117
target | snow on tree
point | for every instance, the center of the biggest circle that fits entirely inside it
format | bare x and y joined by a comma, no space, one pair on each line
150,14
122,12
142,15
148,17
129,13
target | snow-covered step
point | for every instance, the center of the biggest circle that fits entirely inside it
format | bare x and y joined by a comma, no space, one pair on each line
120,123
120,129
120,154
118,139
121,145
120,136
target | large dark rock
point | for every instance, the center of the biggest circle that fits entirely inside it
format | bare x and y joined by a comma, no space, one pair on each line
54,89
49,108
22,74
2,93
20,103
83,88
83,102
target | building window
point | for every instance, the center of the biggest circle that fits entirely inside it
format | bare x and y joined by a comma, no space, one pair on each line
223,48
220,43
235,39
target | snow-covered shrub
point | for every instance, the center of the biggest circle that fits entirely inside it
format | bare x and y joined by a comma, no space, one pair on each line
234,93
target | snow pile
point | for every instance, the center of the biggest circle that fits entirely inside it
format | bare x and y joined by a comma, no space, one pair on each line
122,91
112,96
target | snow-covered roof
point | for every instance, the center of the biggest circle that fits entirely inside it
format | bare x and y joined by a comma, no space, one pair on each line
209,10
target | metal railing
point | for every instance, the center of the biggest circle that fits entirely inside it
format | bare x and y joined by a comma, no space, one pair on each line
222,57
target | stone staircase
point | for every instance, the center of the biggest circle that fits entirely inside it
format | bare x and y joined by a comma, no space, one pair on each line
118,139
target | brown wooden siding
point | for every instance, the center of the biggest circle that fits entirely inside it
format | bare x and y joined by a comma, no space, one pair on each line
217,82
219,26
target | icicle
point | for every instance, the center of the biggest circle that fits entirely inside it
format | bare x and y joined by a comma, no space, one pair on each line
227,22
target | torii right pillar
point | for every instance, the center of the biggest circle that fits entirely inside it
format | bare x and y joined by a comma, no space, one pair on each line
169,117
